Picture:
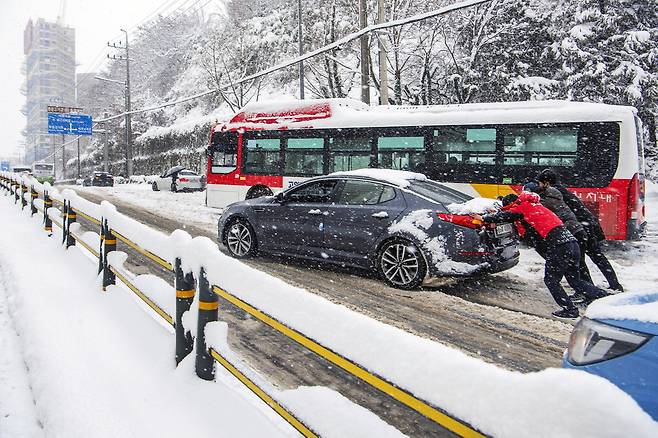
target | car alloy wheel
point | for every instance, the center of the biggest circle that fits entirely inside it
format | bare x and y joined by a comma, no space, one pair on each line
401,264
155,187
240,239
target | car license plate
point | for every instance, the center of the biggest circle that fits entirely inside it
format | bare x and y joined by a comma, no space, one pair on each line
503,229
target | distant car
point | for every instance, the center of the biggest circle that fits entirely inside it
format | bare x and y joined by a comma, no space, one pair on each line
179,178
101,179
613,343
399,227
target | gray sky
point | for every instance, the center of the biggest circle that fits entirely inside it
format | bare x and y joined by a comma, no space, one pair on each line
95,23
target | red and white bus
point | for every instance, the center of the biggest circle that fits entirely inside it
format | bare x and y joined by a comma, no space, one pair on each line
485,150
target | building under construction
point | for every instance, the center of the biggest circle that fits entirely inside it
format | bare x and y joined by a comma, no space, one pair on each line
49,70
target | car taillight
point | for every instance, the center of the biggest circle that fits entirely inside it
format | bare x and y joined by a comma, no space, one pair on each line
183,180
461,220
635,195
592,341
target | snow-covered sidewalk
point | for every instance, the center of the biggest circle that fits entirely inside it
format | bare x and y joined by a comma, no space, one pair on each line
98,365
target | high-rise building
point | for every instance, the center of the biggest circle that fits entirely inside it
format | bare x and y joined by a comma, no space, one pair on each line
49,70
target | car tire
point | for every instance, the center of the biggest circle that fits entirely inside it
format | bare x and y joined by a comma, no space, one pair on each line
240,239
155,187
400,263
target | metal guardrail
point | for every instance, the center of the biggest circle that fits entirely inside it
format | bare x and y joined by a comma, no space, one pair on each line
208,308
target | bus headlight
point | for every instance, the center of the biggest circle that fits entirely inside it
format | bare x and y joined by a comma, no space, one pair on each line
593,341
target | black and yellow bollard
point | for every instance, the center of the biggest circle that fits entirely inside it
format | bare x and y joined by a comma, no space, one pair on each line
101,257
71,218
16,195
47,222
109,245
184,298
33,195
23,192
208,305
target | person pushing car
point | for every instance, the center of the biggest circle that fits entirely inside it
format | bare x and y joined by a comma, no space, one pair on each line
592,245
557,245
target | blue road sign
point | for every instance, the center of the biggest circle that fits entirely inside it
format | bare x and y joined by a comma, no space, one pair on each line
4,165
71,124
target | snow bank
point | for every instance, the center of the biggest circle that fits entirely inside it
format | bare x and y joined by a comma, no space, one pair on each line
399,178
96,367
329,413
475,206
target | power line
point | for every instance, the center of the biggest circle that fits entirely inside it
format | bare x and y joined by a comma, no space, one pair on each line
336,44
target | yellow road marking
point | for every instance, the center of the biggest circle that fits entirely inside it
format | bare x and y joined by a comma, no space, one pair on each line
86,216
141,295
400,395
83,244
294,422
160,261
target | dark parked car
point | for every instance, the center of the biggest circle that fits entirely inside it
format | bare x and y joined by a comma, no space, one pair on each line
102,179
399,226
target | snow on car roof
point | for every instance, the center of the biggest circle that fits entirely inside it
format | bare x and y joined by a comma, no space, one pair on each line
398,178
341,113
638,306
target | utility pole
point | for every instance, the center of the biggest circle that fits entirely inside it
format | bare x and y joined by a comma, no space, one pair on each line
383,68
54,161
365,70
129,142
78,157
63,156
106,147
301,63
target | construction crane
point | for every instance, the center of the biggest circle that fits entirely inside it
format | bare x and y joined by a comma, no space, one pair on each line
61,15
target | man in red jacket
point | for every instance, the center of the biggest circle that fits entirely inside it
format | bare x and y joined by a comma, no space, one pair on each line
555,242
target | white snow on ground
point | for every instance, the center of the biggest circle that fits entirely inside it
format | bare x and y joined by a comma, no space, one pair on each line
97,366
17,411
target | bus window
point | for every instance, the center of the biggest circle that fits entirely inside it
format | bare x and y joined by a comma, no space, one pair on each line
304,156
461,144
540,146
262,156
349,153
401,153
224,152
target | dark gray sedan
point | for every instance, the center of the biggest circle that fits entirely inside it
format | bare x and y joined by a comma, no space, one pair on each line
398,225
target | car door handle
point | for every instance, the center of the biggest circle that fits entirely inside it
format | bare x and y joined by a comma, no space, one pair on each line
315,212
259,209
380,215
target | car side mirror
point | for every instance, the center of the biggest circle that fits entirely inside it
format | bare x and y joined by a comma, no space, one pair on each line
280,198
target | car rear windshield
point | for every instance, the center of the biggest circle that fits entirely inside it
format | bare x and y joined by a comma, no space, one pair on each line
186,172
437,192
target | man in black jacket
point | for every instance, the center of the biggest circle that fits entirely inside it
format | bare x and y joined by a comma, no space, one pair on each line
551,198
549,178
